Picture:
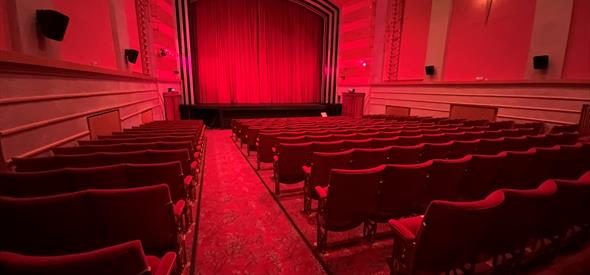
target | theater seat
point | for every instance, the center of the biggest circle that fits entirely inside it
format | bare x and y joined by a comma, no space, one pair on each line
122,259
318,173
445,178
349,201
445,239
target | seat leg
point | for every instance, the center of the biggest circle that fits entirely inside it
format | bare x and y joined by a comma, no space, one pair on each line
306,203
257,162
370,230
322,238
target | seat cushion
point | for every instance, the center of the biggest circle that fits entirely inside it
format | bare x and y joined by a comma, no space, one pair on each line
413,223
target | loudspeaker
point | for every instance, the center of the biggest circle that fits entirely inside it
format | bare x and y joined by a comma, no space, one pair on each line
429,70
131,55
52,24
540,62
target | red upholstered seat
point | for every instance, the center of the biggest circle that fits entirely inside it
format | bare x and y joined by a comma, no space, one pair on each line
327,146
366,158
538,141
571,162
516,168
121,259
402,191
545,164
562,138
436,150
88,220
460,148
406,154
481,177
318,173
288,162
446,238
519,143
383,142
359,143
445,178
473,135
408,140
521,218
572,199
510,132
351,200
490,146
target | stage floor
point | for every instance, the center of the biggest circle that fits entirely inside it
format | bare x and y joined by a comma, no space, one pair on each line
220,115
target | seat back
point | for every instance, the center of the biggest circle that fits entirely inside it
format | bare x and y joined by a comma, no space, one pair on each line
571,162
516,143
359,143
327,146
452,233
51,225
435,138
121,259
461,148
32,184
445,178
366,158
406,154
323,162
516,168
436,150
383,142
402,190
481,177
291,157
573,196
522,216
408,140
352,197
143,213
545,164
490,146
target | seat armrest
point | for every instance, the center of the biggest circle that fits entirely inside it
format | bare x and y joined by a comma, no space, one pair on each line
401,231
306,170
188,180
322,192
274,149
167,264
194,165
179,208
275,158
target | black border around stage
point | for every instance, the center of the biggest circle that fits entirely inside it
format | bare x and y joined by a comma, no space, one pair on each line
220,115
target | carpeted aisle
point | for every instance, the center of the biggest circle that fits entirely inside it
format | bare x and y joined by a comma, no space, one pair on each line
242,230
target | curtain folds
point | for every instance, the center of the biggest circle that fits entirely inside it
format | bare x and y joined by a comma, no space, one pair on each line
258,51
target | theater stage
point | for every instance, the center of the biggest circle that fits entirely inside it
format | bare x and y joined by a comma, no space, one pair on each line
220,115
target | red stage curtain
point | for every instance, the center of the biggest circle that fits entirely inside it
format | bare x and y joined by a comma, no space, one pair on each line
257,51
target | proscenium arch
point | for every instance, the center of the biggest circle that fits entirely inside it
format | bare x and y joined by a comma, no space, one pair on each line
328,11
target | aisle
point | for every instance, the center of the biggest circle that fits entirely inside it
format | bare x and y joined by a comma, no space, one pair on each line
242,230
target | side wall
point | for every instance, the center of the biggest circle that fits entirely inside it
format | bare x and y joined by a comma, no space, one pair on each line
48,88
482,52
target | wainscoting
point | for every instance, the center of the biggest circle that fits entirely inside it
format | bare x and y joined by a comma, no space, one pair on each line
45,107
552,103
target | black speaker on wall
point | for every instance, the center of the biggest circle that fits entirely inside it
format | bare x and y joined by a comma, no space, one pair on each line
52,24
131,55
540,62
429,70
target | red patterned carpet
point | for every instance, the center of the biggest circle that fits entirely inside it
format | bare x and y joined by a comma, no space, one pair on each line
243,230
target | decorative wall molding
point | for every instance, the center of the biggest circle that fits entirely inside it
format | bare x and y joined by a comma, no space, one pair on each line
140,112
567,98
142,8
52,145
30,99
393,38
43,123
18,63
485,105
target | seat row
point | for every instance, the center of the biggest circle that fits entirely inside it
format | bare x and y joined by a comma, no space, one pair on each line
149,185
525,224
375,195
289,158
267,143
84,221
317,172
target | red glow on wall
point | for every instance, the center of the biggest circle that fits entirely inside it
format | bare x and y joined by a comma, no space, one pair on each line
489,41
258,51
577,59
